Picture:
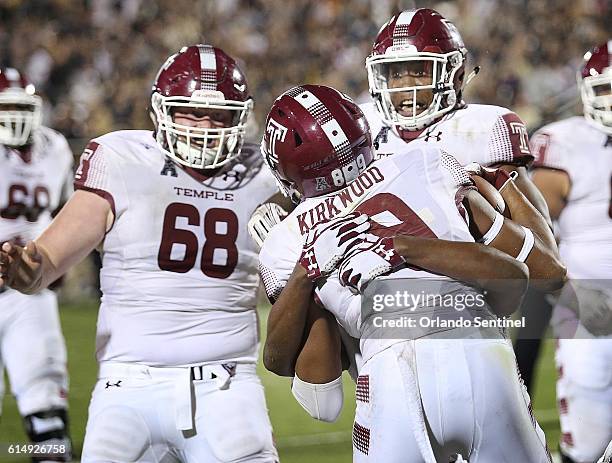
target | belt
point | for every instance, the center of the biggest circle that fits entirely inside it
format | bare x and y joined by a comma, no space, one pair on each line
217,375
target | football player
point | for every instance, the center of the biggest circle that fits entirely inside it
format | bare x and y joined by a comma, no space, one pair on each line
574,172
177,335
369,219
416,76
36,165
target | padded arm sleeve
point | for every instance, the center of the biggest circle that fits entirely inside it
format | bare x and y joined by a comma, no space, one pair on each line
322,401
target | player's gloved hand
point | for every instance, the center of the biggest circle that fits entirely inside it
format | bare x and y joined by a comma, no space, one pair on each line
263,219
594,308
20,267
499,178
371,258
326,243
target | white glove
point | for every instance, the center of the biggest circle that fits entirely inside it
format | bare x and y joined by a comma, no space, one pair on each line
371,258
327,242
263,219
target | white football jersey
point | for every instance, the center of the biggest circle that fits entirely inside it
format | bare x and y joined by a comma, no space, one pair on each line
413,192
31,191
585,225
179,271
488,135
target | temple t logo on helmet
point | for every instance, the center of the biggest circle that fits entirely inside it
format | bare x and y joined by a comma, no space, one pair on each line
595,84
416,69
316,142
274,132
203,81
20,109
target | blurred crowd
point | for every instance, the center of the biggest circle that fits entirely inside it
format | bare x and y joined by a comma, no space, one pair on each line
94,60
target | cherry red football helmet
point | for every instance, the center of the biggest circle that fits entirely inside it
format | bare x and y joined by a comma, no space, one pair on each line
414,38
317,141
595,84
204,77
20,108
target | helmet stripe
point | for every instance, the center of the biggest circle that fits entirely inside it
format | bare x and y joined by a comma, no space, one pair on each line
208,67
400,31
328,123
609,51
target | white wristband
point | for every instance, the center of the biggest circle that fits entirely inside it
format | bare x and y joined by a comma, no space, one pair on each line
528,243
496,227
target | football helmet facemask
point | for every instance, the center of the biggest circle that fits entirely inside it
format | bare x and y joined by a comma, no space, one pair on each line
595,84
416,69
20,108
200,78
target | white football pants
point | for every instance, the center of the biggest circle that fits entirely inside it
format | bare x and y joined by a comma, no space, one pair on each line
33,351
192,414
425,400
584,396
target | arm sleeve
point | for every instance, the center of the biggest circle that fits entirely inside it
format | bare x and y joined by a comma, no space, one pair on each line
277,259
99,174
322,401
509,142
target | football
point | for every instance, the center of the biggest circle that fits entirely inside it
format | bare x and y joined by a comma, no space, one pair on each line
489,192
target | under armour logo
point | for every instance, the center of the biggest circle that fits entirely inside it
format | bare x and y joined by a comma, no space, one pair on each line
441,87
312,263
169,169
230,368
231,174
429,134
382,137
109,384
386,254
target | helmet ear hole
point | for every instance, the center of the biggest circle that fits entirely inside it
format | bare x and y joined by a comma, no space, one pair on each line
297,138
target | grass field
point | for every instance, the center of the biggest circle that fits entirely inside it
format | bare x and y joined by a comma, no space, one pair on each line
299,438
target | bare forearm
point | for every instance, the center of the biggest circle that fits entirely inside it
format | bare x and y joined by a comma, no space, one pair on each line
531,192
525,213
469,262
78,228
286,324
320,359
545,270
504,278
74,233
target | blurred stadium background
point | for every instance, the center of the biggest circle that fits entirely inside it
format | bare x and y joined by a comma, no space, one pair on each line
94,61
